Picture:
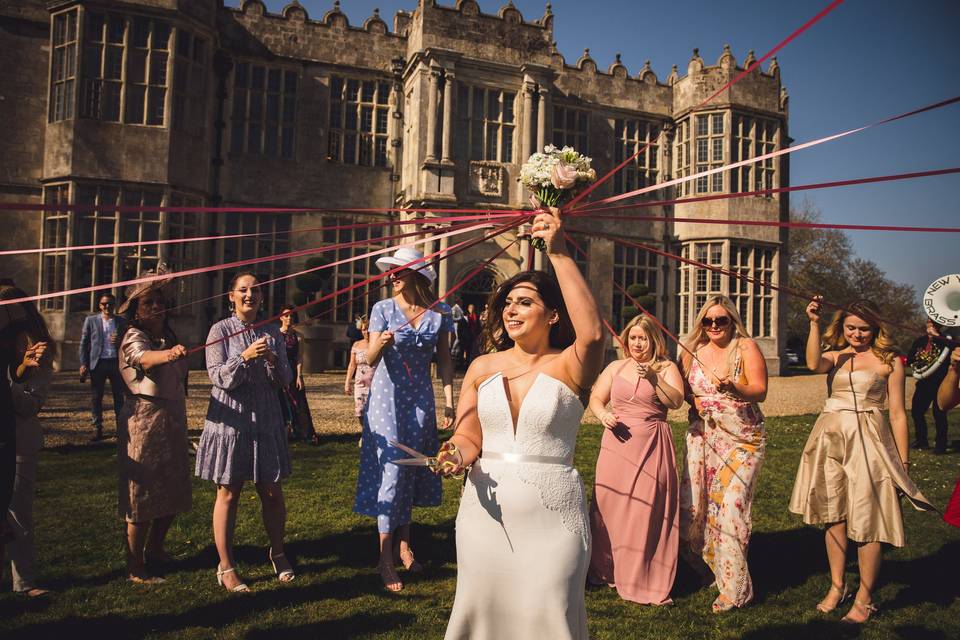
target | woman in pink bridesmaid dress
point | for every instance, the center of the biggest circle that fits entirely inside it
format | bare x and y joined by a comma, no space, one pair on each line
634,517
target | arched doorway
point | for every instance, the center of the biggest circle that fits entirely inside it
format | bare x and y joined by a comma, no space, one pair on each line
476,290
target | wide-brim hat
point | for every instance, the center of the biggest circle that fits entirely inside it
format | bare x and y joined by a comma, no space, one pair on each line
403,257
141,289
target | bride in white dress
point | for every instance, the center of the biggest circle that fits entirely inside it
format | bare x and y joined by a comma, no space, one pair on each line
523,537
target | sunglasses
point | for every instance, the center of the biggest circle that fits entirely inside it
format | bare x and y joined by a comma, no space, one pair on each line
106,304
719,321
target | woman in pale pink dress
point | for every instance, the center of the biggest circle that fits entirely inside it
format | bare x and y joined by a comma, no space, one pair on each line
634,517
359,372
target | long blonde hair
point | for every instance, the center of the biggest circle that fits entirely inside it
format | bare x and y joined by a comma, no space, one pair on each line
881,344
654,335
698,337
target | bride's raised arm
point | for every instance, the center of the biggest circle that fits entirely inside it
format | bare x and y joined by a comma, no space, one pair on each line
583,360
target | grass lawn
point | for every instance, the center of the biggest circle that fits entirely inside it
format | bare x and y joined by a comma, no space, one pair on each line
338,593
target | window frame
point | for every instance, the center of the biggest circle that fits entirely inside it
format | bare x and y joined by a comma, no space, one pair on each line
479,133
713,139
644,170
563,135
356,145
748,144
101,89
62,89
344,275
258,99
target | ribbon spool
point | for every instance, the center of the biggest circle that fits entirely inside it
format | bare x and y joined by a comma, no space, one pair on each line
941,302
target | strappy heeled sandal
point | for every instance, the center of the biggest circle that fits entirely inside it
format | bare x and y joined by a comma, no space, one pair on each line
240,588
866,606
410,562
391,581
286,575
844,596
722,604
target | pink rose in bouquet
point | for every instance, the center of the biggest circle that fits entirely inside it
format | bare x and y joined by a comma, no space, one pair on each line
563,176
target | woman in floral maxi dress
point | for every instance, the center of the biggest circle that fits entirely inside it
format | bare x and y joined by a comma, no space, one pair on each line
724,448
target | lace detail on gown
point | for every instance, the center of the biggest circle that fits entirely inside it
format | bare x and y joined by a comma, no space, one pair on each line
547,425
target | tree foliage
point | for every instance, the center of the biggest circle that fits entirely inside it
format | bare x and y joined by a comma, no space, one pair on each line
823,261
640,293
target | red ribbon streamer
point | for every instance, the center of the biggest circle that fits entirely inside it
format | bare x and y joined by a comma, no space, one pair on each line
457,231
640,308
465,244
781,288
775,154
589,209
809,23
359,225
52,206
188,272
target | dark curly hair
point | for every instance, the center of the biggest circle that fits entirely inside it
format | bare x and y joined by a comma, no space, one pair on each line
494,336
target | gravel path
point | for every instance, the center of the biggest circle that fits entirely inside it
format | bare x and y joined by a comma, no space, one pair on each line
66,416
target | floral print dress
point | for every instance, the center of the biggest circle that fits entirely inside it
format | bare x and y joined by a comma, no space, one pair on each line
725,449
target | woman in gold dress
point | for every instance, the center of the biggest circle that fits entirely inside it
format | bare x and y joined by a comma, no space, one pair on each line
855,461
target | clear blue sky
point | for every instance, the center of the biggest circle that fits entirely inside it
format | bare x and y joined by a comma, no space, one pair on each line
867,60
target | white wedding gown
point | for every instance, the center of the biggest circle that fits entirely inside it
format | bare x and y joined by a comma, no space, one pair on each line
523,537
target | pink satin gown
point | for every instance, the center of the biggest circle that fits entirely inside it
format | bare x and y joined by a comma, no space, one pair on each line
634,517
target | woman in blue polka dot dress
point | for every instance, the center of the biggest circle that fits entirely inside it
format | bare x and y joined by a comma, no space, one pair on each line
401,407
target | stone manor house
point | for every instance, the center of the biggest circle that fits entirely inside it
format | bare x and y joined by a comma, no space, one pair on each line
194,103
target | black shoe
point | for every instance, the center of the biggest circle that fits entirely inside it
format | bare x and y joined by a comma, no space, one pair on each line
939,451
920,445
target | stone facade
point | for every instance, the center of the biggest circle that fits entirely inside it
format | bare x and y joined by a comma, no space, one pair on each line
188,102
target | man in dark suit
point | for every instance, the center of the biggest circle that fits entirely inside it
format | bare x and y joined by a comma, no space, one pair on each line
98,359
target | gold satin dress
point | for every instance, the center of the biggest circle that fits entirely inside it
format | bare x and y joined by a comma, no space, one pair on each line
850,469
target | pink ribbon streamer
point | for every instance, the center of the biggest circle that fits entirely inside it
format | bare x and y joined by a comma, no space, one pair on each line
590,210
806,25
385,274
361,225
176,274
775,154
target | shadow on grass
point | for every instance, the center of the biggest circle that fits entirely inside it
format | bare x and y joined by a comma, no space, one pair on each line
234,608
781,560
819,629
930,579
434,545
775,559
348,627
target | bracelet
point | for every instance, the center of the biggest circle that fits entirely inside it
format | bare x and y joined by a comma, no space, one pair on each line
449,467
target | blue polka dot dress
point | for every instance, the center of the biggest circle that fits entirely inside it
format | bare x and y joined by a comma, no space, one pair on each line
400,407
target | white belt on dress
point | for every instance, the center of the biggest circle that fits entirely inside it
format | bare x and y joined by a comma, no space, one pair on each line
525,458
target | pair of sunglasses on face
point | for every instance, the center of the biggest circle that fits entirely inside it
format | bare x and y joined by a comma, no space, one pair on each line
719,322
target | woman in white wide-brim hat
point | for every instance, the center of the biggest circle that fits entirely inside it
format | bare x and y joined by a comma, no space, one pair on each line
404,333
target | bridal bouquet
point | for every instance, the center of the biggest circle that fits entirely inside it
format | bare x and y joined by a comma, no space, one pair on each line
554,176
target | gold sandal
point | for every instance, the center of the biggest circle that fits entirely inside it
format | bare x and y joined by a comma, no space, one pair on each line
866,606
844,595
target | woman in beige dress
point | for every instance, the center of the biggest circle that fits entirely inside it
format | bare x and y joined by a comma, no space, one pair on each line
855,462
152,455
523,538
